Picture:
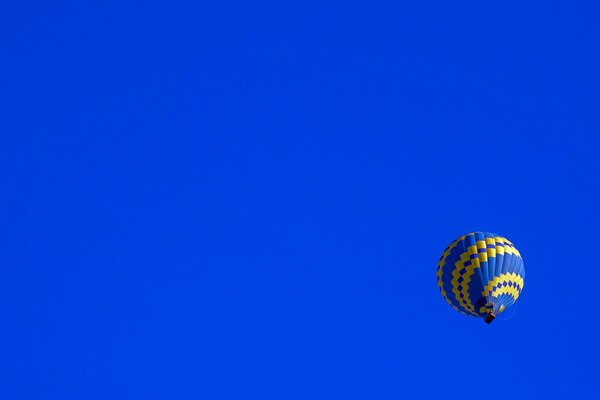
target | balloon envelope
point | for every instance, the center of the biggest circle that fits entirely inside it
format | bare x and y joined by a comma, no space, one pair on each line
481,274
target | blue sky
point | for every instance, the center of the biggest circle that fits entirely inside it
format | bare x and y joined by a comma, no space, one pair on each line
247,200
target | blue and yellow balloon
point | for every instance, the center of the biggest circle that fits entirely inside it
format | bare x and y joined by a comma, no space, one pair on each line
481,274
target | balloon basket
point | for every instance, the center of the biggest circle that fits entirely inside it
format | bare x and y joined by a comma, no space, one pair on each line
489,317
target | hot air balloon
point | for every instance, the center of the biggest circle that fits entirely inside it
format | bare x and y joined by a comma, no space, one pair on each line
481,274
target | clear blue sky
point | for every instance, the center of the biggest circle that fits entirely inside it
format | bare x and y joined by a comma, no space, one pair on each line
247,200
